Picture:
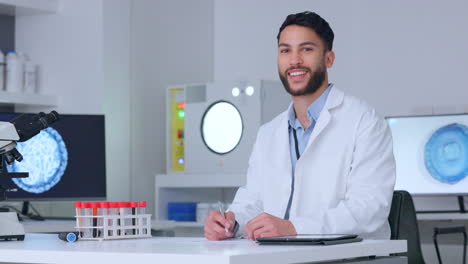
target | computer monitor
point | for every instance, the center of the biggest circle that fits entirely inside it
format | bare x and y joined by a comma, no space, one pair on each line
65,161
431,153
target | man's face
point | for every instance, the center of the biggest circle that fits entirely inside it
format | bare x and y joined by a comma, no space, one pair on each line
302,60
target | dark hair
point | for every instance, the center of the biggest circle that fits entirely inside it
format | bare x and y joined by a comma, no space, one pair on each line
313,21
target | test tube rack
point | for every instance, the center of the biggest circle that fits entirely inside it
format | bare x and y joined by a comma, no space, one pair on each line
113,226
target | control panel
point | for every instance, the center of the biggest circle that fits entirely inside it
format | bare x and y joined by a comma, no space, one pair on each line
176,117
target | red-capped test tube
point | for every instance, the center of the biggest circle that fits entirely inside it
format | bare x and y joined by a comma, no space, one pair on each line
95,207
79,220
142,211
123,221
133,208
113,217
142,207
103,211
87,213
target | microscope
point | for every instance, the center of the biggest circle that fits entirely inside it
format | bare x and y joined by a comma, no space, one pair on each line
19,129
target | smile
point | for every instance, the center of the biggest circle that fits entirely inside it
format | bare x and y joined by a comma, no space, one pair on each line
297,73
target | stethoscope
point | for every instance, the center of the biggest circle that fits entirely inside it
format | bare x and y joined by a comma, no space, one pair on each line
296,145
298,155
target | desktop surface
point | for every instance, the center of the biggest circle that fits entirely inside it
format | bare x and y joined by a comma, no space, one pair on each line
47,248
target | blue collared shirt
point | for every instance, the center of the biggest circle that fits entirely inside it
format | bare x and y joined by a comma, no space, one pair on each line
303,134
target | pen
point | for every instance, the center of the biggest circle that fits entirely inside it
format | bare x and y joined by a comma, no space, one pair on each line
221,210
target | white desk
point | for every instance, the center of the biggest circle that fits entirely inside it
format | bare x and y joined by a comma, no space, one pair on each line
47,248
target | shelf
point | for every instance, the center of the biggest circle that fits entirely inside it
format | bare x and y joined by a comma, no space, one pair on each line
28,7
200,180
27,99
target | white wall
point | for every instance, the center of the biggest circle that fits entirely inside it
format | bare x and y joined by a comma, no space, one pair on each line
403,57
68,48
116,52
172,43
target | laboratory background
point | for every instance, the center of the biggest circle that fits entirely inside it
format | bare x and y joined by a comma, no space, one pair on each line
133,81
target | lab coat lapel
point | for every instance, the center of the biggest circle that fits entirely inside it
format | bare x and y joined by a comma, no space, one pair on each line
335,98
284,171
323,121
283,145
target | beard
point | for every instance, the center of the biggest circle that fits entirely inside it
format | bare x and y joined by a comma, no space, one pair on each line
316,80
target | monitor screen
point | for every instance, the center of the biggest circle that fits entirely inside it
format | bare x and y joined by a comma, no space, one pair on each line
431,153
65,161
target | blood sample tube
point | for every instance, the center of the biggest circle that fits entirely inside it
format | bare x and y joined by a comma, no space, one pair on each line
94,207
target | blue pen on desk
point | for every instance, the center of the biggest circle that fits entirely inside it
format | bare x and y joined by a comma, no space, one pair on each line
221,210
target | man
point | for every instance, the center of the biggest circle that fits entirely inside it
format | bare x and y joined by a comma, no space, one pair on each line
324,166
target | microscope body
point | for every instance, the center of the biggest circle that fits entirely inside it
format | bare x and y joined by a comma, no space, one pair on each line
20,129
10,228
8,136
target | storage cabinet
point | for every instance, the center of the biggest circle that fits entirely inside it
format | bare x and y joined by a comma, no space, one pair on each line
20,101
205,188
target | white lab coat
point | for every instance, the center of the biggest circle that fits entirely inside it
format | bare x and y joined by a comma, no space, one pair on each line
343,181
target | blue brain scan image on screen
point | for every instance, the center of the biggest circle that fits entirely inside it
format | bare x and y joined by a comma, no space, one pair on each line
446,153
45,157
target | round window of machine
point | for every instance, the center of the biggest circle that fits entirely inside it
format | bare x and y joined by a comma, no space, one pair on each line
221,127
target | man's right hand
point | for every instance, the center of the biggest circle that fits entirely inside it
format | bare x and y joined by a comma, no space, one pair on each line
216,225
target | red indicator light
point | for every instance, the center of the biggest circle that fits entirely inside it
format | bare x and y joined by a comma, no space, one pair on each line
180,133
181,105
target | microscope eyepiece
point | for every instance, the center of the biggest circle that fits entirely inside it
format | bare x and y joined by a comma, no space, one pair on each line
49,118
28,125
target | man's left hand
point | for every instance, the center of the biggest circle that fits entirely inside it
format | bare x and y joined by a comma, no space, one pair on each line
266,225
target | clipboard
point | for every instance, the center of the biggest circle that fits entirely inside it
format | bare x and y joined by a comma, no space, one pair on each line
310,239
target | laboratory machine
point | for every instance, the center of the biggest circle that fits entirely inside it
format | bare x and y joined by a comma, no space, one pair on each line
211,128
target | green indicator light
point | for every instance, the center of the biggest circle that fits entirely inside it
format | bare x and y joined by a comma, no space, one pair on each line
181,114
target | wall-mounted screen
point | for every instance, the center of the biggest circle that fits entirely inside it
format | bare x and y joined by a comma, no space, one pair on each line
431,153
